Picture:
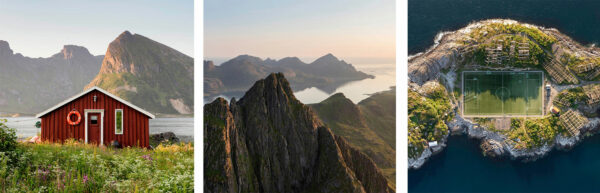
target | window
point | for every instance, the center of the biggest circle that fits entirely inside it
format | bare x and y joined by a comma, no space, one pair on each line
94,120
119,121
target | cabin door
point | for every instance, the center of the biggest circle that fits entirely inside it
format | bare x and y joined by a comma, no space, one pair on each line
94,128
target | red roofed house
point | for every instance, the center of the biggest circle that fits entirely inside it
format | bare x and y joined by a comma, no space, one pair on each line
98,117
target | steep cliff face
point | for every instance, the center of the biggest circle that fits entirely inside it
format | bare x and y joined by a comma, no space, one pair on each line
30,85
271,142
151,75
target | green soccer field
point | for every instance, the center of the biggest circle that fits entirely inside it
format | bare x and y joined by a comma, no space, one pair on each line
488,93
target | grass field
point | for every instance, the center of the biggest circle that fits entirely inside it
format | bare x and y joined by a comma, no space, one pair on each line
489,93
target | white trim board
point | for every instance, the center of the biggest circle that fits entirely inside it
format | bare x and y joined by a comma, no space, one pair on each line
101,111
102,91
122,120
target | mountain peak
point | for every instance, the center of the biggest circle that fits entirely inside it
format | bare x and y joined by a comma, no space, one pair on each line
70,51
273,90
5,48
291,60
338,95
327,59
246,57
138,68
329,56
330,108
125,35
243,59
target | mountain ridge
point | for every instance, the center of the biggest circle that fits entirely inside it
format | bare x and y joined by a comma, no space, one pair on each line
30,85
268,141
368,126
236,75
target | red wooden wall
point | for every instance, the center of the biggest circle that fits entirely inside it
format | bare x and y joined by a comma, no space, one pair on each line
135,124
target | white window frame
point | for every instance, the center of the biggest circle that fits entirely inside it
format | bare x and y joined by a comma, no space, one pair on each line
101,111
122,120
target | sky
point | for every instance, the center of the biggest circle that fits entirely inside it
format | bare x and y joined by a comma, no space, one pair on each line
37,28
305,29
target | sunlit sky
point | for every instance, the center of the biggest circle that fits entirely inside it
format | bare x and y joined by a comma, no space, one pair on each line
306,29
41,28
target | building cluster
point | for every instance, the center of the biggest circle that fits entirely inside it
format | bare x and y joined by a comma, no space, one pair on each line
584,68
593,75
593,93
494,54
523,50
559,72
573,121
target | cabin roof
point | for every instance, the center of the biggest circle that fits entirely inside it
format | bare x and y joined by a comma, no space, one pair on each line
102,91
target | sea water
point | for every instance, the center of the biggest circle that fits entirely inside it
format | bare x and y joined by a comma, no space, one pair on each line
385,78
182,127
461,167
578,19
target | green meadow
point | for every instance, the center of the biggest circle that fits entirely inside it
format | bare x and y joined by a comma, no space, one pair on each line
76,167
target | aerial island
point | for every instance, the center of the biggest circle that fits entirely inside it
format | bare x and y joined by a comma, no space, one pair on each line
521,90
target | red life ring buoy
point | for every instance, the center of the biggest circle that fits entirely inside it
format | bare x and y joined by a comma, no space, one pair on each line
74,112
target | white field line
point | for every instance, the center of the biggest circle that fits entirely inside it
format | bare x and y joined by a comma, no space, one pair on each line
500,115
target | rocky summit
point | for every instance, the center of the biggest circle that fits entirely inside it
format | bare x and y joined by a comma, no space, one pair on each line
268,141
149,74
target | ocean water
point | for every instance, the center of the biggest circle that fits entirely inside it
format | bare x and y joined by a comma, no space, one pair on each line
182,127
577,18
461,167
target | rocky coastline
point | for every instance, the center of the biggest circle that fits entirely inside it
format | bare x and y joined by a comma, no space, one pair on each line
440,63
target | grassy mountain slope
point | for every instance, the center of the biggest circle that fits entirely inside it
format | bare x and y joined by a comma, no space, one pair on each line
148,74
368,126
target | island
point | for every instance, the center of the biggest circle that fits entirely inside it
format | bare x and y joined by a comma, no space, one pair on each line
522,90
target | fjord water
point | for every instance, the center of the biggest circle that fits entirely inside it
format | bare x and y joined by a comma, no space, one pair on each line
182,127
578,19
385,78
462,168
356,91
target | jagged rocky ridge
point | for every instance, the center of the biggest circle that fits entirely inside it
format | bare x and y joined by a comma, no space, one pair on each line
149,74
268,141
236,75
440,64
30,85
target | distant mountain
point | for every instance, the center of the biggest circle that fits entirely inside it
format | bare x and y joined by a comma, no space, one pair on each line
149,74
268,141
237,75
368,126
30,85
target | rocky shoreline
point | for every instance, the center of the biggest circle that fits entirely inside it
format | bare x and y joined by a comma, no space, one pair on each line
441,62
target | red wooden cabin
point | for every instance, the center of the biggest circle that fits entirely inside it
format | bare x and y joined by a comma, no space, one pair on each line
98,117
